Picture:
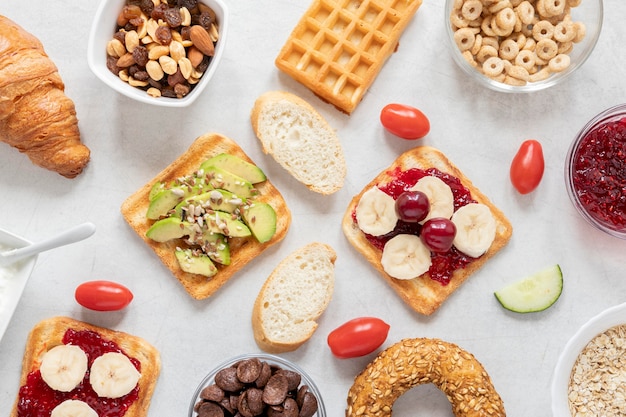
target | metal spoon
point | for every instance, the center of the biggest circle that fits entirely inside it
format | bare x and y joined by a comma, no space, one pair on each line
75,234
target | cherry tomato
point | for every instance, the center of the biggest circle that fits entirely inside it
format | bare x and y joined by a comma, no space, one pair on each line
404,121
527,166
103,295
358,337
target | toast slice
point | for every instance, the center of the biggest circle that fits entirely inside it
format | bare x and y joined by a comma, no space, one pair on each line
293,297
424,294
51,332
243,249
300,140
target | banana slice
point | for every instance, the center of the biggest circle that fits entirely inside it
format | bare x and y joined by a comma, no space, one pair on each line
63,367
73,408
475,229
376,212
406,257
113,375
439,195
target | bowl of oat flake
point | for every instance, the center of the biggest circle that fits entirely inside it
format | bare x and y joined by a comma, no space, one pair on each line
590,374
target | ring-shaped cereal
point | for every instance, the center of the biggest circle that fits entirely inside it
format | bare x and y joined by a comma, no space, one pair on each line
508,49
554,7
472,9
498,30
464,39
506,19
486,52
457,19
478,43
546,49
412,362
581,31
525,59
559,63
485,26
493,66
526,12
565,47
564,31
499,5
543,29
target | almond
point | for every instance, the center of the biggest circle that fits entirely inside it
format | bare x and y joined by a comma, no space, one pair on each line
195,56
202,40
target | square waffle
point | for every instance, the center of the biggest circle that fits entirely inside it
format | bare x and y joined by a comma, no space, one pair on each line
339,46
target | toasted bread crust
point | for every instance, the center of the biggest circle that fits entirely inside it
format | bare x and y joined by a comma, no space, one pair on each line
243,250
423,294
49,333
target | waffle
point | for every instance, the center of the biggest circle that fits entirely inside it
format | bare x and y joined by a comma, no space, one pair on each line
339,46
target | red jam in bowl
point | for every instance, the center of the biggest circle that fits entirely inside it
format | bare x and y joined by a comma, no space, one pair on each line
37,399
443,264
598,172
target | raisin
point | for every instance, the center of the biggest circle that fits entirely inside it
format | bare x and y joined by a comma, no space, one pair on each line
181,90
168,92
140,55
159,12
189,4
120,35
176,78
202,66
112,65
141,75
146,6
163,35
172,17
185,33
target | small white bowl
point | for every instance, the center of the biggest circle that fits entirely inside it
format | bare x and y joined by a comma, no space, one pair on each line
609,318
13,278
102,32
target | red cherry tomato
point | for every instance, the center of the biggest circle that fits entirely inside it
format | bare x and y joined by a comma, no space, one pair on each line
404,121
527,166
358,337
103,295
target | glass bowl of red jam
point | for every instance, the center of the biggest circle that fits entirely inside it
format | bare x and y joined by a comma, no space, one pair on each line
247,378
595,171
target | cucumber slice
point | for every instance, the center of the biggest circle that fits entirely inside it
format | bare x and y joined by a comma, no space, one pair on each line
534,293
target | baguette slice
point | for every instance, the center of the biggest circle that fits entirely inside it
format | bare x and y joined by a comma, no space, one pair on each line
243,250
293,297
49,333
423,294
300,140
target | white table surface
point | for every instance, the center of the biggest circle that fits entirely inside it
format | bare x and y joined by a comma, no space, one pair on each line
479,130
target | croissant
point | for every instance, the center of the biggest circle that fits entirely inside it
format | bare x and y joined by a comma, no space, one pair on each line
36,116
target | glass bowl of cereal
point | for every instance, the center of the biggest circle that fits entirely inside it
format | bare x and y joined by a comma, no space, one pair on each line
522,46
158,54
588,378
595,171
259,382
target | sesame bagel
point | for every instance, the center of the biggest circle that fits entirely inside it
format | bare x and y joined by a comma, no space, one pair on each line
412,362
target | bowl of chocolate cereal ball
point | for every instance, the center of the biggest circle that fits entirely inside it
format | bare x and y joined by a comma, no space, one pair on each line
257,384
521,45
158,52
589,378
595,171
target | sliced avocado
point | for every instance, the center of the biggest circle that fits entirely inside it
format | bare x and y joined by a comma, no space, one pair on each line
221,200
216,246
168,229
261,219
157,187
226,224
225,180
195,263
167,199
237,166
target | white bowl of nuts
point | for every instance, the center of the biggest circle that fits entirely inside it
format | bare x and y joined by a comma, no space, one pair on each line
590,375
522,45
158,53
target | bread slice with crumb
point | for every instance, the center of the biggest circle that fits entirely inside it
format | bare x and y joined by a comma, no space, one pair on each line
300,140
51,332
424,294
242,249
293,297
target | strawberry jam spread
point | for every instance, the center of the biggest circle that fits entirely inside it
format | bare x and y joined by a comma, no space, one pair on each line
443,264
599,173
37,399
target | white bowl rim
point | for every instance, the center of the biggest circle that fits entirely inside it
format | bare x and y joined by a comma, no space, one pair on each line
603,321
26,267
112,81
321,410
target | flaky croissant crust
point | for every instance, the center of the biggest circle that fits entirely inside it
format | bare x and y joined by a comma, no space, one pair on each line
36,116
